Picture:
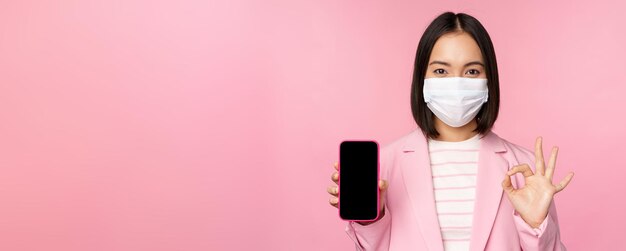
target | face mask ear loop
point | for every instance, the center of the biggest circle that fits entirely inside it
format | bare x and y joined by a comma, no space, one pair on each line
486,96
424,93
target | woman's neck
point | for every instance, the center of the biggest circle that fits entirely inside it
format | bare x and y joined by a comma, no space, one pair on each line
455,134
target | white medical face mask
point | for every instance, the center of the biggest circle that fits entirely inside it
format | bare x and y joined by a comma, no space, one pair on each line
455,100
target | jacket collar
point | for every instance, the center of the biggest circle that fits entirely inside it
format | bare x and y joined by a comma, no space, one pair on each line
417,176
417,140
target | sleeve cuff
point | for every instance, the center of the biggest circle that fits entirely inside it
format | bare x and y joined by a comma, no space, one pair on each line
537,232
368,236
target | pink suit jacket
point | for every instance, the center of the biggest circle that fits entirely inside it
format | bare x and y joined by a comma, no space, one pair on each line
410,221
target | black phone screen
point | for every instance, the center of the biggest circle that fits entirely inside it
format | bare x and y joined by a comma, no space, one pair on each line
358,180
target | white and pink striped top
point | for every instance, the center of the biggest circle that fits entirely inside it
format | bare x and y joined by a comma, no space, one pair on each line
454,166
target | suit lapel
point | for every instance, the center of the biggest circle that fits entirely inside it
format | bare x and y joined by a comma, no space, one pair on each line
491,170
417,177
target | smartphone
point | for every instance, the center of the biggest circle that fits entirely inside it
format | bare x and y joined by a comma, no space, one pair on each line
358,180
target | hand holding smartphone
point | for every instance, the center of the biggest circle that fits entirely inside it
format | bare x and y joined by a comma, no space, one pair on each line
359,194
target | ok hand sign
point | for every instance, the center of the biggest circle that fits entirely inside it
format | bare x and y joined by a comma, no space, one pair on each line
533,200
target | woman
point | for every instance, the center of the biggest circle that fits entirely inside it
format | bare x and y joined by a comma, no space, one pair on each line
443,187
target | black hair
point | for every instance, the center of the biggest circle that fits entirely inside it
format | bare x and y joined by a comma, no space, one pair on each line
446,23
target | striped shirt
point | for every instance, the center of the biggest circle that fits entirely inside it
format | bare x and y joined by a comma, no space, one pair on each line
454,166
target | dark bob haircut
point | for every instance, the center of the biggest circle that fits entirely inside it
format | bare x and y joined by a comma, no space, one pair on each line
446,23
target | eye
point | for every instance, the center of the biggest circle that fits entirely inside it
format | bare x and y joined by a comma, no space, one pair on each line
439,71
473,72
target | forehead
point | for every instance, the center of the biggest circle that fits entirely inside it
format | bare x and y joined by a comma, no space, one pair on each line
456,48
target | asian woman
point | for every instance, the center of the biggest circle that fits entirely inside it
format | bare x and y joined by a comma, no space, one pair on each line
453,184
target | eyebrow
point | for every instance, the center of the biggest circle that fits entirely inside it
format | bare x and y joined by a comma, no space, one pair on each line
448,64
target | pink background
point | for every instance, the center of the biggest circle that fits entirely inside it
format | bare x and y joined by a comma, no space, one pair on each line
195,125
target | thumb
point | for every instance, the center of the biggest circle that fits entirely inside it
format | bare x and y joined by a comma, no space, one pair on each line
507,185
382,185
